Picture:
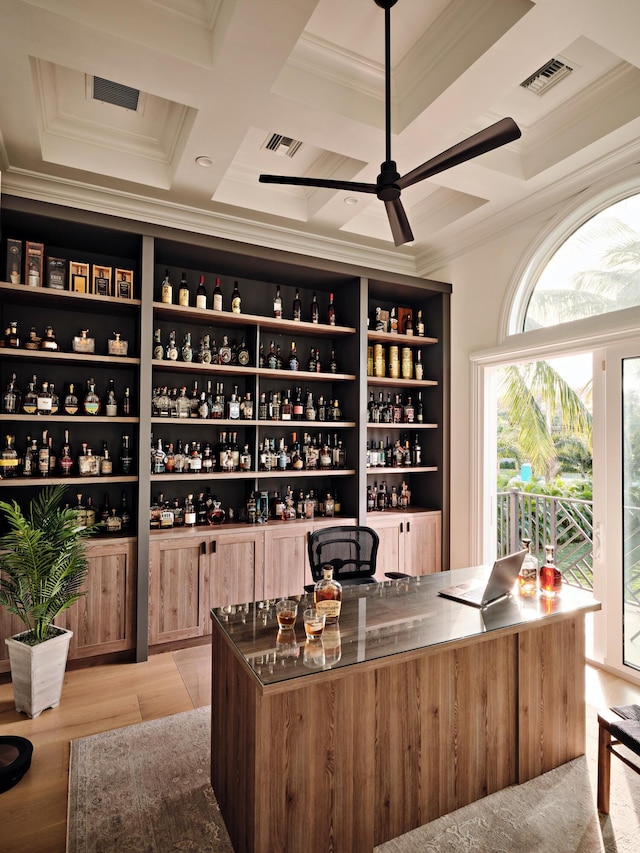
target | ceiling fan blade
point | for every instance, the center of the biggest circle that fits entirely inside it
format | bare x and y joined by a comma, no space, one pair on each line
400,228
350,186
494,136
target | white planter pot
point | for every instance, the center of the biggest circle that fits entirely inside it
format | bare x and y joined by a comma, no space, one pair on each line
37,672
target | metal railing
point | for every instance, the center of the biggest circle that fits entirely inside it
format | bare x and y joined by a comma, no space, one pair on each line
567,524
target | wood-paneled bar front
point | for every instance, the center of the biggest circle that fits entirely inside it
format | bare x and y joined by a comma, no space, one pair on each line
427,705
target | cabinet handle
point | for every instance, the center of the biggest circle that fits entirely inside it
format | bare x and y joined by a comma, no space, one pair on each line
213,546
203,548
402,527
408,527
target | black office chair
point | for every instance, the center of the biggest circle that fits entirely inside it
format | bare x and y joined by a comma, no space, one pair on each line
350,550
619,726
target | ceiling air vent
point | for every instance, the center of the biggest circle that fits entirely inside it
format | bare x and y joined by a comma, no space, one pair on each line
282,145
115,93
547,76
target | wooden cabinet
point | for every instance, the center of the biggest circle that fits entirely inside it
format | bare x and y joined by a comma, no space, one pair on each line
285,559
409,542
103,620
234,571
176,588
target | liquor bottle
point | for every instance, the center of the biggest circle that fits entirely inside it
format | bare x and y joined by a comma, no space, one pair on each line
172,349
70,403
224,354
204,353
286,409
91,403
419,413
418,367
106,462
416,452
208,463
126,458
90,513
315,309
195,458
183,292
393,322
80,512
243,354
272,363
166,294
245,459
65,457
201,294
111,403
297,461
154,514
217,296
233,405
189,512
331,311
49,341
420,325
13,339
126,402
297,307
159,458
298,406
9,460
12,398
44,400
236,301
246,407
124,513
44,455
187,348
408,323
528,576
333,364
158,349
179,459
30,398
113,522
550,575
277,303
178,513
327,595
279,358
309,407
293,362
55,400
30,461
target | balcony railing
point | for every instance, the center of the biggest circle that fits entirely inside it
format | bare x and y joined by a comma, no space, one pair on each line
567,524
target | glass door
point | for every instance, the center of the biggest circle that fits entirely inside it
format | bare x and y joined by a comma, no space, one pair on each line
617,533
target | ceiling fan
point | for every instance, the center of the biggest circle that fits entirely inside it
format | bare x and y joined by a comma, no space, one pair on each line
389,182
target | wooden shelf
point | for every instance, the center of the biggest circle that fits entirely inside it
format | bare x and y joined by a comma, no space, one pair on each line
227,318
387,381
406,340
253,475
301,376
69,419
59,357
35,482
66,298
403,469
381,426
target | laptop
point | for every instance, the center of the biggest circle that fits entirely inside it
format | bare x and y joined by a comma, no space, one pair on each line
499,585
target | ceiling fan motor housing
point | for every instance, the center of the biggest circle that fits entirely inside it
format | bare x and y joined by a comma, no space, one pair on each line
386,187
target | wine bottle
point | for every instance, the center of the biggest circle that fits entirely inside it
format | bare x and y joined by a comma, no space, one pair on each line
236,301
126,458
217,296
183,292
65,458
297,306
331,311
111,403
201,294
315,310
277,303
166,294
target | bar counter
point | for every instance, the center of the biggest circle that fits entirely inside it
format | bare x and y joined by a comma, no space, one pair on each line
413,706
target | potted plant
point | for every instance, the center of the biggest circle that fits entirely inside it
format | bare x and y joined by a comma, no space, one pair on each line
42,570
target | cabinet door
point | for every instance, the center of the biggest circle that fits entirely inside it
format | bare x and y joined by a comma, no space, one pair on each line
175,588
234,571
390,529
103,620
286,565
422,545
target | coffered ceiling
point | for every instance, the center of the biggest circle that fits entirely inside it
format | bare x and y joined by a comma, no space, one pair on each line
211,93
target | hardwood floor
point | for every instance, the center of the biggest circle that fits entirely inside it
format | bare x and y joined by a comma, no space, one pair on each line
106,697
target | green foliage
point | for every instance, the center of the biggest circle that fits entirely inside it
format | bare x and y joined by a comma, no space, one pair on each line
42,561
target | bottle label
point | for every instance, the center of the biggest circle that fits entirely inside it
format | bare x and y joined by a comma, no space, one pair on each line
217,302
201,301
330,607
235,305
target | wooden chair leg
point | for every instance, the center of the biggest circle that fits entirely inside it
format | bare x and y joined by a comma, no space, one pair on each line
604,764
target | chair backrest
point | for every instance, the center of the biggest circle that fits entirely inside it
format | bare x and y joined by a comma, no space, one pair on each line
351,550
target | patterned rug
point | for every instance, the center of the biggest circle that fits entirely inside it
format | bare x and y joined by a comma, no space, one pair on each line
145,789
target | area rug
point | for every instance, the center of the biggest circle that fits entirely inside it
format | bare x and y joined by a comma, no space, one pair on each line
145,789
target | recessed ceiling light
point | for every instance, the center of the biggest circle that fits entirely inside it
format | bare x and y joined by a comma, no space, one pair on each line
350,200
205,162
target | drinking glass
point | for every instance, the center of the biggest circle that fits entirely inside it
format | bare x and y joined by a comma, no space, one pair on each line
314,622
286,612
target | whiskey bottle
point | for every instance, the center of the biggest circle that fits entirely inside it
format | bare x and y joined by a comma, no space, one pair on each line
9,460
297,306
183,292
91,403
420,325
126,458
293,362
277,303
166,294
178,513
272,362
217,296
80,512
49,341
327,595
236,301
44,400
408,323
528,576
13,339
105,511
106,462
113,523
158,349
331,311
333,364
243,354
224,354
550,575
55,400
418,368
124,513
204,353
111,403
70,402
30,461
172,349
65,458
179,459
315,309
189,512
90,513
126,402
44,455
30,399
233,405
12,398
201,294
246,407
187,348
159,458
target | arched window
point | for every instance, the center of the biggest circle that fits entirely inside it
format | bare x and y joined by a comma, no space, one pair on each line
596,270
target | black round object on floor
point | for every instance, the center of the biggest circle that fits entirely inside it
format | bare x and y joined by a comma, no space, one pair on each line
15,760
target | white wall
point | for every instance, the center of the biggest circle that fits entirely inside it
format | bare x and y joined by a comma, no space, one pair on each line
480,279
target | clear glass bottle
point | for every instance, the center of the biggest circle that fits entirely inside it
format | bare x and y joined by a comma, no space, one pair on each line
550,575
172,349
187,348
528,577
65,457
9,459
12,398
44,400
327,595
30,398
189,512
158,349
91,403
